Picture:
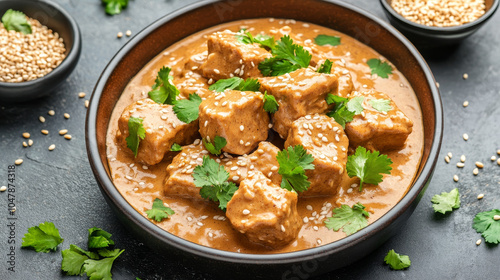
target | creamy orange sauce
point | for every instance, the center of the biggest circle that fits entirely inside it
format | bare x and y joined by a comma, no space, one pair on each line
199,221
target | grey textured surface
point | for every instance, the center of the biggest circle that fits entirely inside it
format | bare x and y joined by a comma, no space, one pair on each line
58,186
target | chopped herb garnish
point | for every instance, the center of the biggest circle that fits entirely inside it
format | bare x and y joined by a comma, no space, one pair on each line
488,224
265,41
326,67
356,105
397,261
216,147
43,238
74,258
287,57
368,166
270,103
381,105
164,92
114,7
446,202
136,133
212,179
339,112
159,211
382,69
176,148
16,20
349,219
99,238
235,83
187,110
322,40
101,269
293,163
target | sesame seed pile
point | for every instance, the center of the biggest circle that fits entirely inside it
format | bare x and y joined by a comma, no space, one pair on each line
26,57
440,13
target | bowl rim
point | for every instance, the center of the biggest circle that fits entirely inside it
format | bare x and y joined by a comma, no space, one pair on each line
441,30
73,53
113,195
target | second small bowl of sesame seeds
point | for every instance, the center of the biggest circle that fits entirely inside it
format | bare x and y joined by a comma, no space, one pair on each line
40,46
437,23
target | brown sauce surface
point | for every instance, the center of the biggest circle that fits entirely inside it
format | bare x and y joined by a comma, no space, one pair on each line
194,220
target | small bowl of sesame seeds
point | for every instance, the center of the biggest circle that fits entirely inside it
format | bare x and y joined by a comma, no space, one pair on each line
437,23
40,45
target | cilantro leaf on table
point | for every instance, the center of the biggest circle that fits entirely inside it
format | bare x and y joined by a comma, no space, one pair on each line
43,238
339,112
287,57
212,179
382,69
235,83
164,92
136,133
114,7
187,110
99,238
446,202
349,219
397,261
159,211
489,227
368,166
270,103
293,162
74,258
176,148
16,20
326,67
216,147
356,105
381,105
322,40
100,269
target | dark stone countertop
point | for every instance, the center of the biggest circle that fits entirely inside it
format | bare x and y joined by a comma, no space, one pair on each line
59,186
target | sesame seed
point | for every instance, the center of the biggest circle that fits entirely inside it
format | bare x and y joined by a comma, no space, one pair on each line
480,196
67,137
44,131
447,159
26,135
466,103
66,116
460,164
274,168
189,219
234,168
52,147
465,136
498,152
216,71
247,144
496,217
475,171
246,212
199,224
493,158
455,178
235,178
318,241
462,158
81,94
324,139
210,234
3,188
119,35
349,190
498,161
30,142
270,125
479,164
450,155
305,220
63,131
86,103
41,119
316,228
51,112
25,144
283,228
478,242
465,76
242,128
128,33
309,207
18,161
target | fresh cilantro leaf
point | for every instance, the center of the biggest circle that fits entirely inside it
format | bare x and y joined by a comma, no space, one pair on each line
74,258
265,41
159,211
486,224
16,20
381,105
164,92
382,69
244,37
294,162
99,238
100,269
136,133
270,103
368,166
287,57
235,83
176,148
187,110
331,99
326,67
446,202
339,112
322,40
105,253
212,179
349,219
43,238
249,85
216,147
397,261
356,105
114,7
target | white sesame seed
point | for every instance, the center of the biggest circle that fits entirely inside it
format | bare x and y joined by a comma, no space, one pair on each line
67,137
466,103
30,142
496,217
63,131
18,161
51,112
274,168
455,178
447,159
128,33
41,119
493,158
479,164
480,196
81,94
318,241
283,228
119,35
216,71
316,228
450,155
478,242
460,164
199,224
309,207
475,171
305,220
465,136
235,178
324,139
246,212
465,76
462,158
52,147
189,219
66,115
349,190
247,144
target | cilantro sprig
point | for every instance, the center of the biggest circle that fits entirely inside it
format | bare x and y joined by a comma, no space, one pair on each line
163,91
265,41
114,7
216,147
212,179
270,103
397,261
340,112
350,220
293,162
322,40
159,211
176,147
187,110
488,224
235,83
136,133
42,238
326,67
382,69
381,105
16,20
287,57
99,238
368,166
446,202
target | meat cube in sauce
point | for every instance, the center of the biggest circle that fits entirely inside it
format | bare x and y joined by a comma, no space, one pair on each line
378,130
299,93
326,141
237,116
162,126
264,212
228,57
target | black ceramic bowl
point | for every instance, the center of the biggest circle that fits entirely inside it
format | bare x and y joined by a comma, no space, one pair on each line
56,18
430,36
334,14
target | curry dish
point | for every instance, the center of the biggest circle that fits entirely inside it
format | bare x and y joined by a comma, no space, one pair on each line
262,217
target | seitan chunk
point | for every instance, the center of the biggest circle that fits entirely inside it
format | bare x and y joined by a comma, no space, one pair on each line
227,57
326,141
265,213
299,93
162,126
237,116
378,130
